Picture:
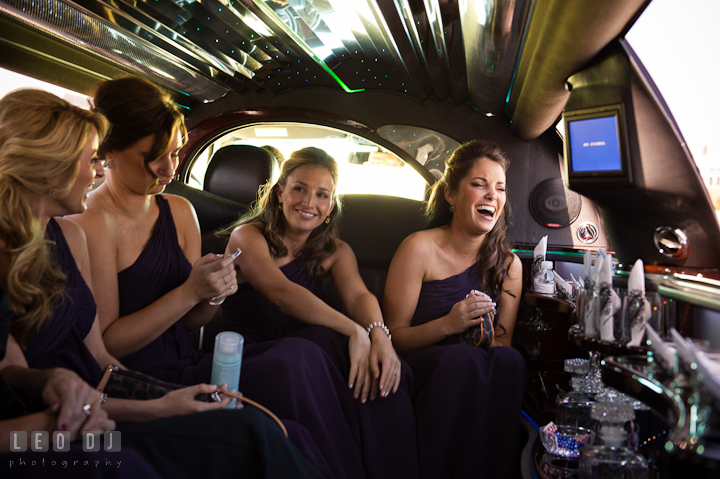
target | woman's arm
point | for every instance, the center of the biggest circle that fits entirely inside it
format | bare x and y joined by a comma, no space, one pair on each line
62,391
188,230
507,314
175,403
402,291
127,334
259,269
363,307
39,421
78,247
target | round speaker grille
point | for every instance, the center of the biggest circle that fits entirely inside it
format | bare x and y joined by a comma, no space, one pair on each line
553,205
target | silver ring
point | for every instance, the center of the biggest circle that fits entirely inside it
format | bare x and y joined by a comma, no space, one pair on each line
397,371
86,409
215,397
103,398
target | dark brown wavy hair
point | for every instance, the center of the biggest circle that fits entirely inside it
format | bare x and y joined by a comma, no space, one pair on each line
495,253
267,214
41,139
137,108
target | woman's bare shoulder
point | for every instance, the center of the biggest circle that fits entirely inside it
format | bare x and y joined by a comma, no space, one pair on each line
74,236
248,230
181,208
98,217
421,242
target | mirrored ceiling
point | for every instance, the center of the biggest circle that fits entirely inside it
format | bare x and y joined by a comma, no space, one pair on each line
462,50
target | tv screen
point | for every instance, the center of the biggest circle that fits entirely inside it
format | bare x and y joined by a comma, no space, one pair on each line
595,145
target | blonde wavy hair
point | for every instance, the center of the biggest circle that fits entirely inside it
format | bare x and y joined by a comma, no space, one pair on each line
41,138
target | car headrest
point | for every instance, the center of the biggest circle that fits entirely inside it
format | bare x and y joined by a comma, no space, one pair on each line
236,172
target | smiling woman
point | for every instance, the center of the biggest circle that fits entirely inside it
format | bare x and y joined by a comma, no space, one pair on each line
441,283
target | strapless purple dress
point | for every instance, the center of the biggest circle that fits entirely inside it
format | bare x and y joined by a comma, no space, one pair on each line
60,344
384,428
292,377
467,400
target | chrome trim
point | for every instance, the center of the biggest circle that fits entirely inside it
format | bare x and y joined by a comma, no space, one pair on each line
405,13
491,36
587,232
74,25
671,242
695,290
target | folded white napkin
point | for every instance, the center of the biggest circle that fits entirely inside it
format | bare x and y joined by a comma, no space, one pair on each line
692,357
609,301
538,257
587,263
591,294
636,310
663,352
564,288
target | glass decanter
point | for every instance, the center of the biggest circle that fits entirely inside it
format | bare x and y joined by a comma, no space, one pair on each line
612,459
573,408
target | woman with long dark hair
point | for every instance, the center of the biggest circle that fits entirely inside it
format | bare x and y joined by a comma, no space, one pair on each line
290,244
153,287
440,284
47,162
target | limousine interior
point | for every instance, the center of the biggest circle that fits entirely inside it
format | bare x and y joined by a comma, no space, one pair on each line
390,88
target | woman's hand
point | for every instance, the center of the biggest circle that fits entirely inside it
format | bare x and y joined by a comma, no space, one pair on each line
76,404
383,358
182,401
468,312
212,276
359,379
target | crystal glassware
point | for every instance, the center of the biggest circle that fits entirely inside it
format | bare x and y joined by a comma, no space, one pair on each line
573,408
612,459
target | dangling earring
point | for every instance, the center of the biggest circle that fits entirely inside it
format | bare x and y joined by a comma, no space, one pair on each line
452,208
110,164
280,206
327,220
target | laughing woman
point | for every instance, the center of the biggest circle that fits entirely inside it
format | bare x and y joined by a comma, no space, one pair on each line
440,283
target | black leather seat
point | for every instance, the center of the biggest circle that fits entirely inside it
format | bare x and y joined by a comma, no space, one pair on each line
374,226
236,172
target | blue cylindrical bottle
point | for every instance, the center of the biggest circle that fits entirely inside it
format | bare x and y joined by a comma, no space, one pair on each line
227,359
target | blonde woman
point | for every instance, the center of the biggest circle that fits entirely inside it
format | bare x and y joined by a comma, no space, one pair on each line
47,161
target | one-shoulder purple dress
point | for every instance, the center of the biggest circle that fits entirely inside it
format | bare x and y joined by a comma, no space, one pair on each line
467,400
291,377
27,464
60,344
386,426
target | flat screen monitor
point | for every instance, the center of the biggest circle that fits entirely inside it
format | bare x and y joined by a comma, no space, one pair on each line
595,144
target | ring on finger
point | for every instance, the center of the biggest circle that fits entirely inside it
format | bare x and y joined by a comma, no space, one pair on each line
87,409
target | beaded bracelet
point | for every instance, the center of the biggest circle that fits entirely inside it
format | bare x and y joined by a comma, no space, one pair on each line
379,325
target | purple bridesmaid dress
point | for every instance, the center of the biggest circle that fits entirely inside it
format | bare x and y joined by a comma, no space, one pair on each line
60,344
467,400
292,377
385,427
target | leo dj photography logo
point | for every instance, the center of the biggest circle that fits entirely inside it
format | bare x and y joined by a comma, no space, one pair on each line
40,441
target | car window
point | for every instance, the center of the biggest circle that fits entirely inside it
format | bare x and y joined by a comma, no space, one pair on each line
428,147
364,166
689,86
